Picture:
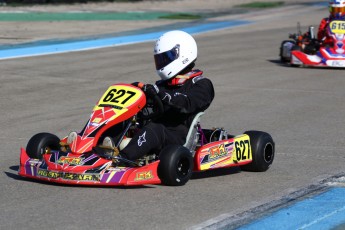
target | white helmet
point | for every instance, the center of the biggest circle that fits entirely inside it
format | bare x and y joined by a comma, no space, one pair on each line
173,52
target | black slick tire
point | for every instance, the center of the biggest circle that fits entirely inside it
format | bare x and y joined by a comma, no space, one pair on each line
263,148
284,59
176,165
40,142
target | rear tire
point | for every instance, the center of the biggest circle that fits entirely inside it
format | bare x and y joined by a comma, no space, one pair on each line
176,165
263,148
39,144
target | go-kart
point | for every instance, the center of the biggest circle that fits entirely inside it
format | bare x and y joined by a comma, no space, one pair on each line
91,156
306,50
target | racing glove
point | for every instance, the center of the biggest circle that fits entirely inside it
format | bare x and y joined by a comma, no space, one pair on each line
151,90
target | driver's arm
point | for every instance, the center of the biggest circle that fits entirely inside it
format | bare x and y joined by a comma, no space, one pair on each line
322,29
197,98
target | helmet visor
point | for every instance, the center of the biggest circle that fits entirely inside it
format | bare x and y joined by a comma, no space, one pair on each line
335,10
165,58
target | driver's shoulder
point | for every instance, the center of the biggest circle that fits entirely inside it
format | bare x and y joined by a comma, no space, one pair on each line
201,80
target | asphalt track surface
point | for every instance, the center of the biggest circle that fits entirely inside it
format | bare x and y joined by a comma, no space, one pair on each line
302,108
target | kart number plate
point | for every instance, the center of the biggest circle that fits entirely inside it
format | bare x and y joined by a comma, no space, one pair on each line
120,96
337,27
242,149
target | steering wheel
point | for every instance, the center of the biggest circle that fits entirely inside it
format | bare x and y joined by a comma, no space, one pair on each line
154,105
154,108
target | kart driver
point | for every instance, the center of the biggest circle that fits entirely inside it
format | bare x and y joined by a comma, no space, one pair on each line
337,12
183,90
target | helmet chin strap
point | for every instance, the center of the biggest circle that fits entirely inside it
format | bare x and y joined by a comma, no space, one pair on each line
181,79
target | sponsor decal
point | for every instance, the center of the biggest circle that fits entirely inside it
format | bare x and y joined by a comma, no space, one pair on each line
336,63
185,61
167,97
48,174
217,152
180,94
68,176
97,120
70,160
143,176
142,139
112,106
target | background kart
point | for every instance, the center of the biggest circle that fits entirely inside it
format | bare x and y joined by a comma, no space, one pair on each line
91,157
305,50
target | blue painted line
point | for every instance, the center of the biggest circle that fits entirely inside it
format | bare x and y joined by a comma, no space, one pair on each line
321,212
320,4
63,47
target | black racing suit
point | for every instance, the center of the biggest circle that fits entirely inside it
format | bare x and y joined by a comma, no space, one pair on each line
181,104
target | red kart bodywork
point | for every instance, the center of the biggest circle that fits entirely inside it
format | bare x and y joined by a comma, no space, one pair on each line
108,112
91,169
61,169
327,56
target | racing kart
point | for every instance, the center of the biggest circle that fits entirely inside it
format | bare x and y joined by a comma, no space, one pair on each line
91,156
306,50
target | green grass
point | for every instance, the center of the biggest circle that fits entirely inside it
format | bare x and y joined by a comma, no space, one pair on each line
261,5
180,16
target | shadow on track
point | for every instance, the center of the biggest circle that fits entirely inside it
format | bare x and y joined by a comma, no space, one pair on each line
215,173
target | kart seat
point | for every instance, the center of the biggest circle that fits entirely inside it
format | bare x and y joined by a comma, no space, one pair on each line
192,136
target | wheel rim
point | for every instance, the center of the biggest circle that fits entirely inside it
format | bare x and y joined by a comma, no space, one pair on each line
183,167
268,153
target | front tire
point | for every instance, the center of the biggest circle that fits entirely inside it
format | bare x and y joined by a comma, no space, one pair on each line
176,165
283,58
263,149
40,143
